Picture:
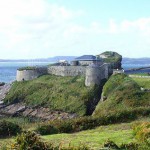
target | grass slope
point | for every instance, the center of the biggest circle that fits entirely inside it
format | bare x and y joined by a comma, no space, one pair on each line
122,93
67,94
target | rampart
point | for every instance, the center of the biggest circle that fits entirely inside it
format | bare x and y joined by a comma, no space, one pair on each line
67,70
93,74
30,74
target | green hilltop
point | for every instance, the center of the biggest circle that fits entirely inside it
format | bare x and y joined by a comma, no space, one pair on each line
68,94
122,93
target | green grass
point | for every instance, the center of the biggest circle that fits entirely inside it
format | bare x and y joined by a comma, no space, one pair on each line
120,133
140,74
67,94
6,142
27,68
112,57
122,93
142,82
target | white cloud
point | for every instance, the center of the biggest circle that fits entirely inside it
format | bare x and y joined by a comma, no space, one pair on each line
141,26
37,28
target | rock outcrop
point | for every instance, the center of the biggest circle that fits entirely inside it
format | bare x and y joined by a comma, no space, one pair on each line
4,89
113,58
42,113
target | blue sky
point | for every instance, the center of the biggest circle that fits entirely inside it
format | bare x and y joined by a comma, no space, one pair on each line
46,28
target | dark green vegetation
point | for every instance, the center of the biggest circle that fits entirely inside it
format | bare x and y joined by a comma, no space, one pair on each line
121,94
85,123
27,68
67,94
8,128
111,57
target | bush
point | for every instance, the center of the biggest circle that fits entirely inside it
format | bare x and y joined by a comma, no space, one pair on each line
112,145
84,123
8,128
50,129
31,141
142,132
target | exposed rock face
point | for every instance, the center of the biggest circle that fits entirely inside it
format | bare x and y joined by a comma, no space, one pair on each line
4,89
42,113
20,109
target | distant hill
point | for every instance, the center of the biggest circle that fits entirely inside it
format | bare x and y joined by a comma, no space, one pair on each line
125,60
50,59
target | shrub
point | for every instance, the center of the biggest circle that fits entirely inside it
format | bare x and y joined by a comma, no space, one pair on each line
130,146
84,123
44,130
113,146
142,132
31,141
28,140
8,128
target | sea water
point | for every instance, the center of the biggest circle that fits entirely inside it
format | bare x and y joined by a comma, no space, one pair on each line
8,69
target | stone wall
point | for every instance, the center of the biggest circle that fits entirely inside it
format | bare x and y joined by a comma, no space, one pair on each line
30,74
67,70
94,74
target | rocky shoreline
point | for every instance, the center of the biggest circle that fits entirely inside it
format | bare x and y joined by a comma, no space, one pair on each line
20,109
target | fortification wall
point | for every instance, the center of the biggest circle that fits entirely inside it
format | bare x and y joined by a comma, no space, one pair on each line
67,70
94,74
30,74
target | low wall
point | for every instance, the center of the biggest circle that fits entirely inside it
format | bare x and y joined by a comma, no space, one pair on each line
30,74
67,70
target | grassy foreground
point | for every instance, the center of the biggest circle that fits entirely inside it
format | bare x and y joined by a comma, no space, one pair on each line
67,94
95,138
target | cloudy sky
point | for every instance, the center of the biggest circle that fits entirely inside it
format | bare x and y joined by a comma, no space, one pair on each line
46,28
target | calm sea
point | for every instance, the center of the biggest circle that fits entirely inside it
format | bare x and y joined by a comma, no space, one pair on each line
8,69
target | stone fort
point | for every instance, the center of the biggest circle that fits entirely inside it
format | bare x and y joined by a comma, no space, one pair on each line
89,66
